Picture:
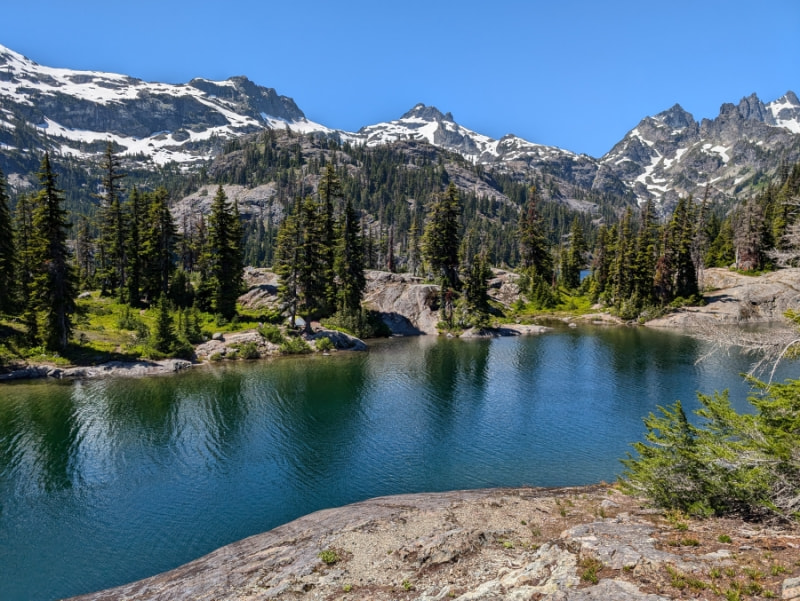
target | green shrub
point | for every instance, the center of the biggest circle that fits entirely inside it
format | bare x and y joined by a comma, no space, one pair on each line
248,350
732,463
271,333
128,320
294,346
328,556
324,344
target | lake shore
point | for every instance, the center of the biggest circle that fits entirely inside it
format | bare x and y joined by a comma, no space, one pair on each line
731,299
566,544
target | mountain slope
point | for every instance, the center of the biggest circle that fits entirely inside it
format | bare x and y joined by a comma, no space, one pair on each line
79,111
671,155
155,125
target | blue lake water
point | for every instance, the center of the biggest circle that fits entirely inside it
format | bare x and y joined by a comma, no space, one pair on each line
104,482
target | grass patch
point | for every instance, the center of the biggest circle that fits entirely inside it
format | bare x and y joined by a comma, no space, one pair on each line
590,566
328,556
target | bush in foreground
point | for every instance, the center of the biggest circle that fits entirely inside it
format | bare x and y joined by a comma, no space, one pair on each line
730,464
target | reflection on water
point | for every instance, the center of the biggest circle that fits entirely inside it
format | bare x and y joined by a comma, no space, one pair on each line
103,482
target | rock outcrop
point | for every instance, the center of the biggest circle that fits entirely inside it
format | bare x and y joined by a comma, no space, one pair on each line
111,368
408,306
733,298
574,544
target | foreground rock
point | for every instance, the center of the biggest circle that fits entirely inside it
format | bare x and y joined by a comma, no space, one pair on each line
733,298
567,544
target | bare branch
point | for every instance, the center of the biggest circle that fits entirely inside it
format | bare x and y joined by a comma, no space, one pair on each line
768,346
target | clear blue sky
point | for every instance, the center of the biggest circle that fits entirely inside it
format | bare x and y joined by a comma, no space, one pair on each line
569,73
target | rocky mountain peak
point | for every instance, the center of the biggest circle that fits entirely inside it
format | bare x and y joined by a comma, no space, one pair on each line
676,117
427,113
752,109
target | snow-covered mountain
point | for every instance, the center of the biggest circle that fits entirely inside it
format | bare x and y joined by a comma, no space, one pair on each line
75,113
427,123
671,154
79,111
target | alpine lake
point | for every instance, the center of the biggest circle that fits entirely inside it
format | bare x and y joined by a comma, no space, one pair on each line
103,482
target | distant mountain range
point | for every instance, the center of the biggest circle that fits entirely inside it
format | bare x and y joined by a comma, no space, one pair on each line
75,113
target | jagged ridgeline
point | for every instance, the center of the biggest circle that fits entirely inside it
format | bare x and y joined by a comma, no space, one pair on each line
391,186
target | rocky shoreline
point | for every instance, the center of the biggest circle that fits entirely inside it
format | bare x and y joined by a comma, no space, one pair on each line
568,544
112,368
407,305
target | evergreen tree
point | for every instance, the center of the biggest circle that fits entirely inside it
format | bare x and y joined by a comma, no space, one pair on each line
158,246
601,265
288,256
571,270
441,239
681,236
330,194
26,257
314,268
534,249
623,267
476,286
53,289
647,244
721,252
136,214
664,276
748,236
84,253
702,239
7,250
164,335
112,228
413,246
224,252
349,264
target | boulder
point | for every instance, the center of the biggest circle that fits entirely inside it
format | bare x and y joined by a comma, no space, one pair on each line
408,306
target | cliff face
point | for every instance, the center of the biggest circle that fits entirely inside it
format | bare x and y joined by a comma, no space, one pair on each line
573,544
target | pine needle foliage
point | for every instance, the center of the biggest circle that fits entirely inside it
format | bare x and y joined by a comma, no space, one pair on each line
732,463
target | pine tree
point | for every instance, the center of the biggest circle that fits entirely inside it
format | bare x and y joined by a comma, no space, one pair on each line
534,249
288,256
748,236
349,264
7,250
681,236
53,289
476,285
623,269
571,270
136,214
26,257
330,194
721,252
112,228
314,268
158,246
164,335
441,239
413,245
647,244
224,252
664,276
603,253
84,253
